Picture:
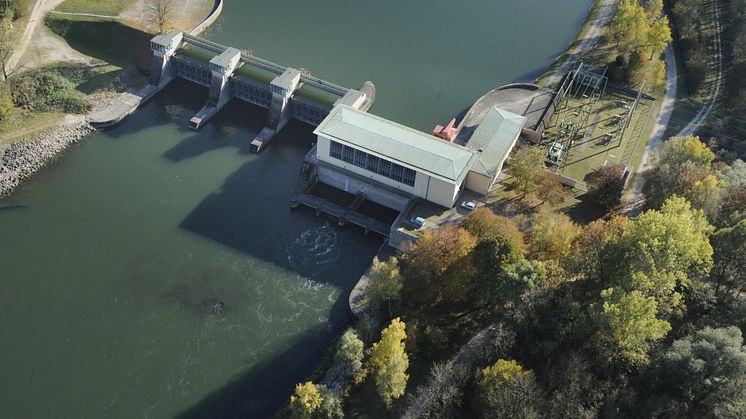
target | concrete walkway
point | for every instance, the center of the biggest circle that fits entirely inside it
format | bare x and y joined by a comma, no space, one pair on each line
635,201
587,43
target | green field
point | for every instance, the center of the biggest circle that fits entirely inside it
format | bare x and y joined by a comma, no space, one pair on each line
99,7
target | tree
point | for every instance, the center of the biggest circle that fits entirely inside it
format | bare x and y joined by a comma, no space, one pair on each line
735,174
350,347
659,36
698,373
160,13
707,195
550,189
605,186
551,236
516,279
527,167
384,283
494,254
8,40
680,164
630,26
627,323
437,265
507,390
587,258
678,150
389,362
733,207
483,224
658,250
331,405
305,401
729,262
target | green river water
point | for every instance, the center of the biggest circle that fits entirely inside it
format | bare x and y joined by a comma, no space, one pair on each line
156,272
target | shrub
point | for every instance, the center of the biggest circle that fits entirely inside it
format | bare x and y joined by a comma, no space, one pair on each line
46,90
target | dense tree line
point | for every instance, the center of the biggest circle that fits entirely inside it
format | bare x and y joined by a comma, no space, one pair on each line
689,18
638,29
735,54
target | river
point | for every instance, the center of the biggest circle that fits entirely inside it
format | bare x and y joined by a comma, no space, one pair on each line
156,272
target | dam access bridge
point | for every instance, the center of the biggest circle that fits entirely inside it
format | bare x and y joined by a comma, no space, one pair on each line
231,73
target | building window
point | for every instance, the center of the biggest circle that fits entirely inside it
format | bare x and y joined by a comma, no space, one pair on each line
372,163
336,150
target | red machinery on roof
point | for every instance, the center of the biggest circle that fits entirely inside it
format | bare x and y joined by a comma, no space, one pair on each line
447,133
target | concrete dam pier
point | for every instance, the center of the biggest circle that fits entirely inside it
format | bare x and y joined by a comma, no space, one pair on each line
231,73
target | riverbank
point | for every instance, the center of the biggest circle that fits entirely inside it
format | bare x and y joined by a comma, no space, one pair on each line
21,159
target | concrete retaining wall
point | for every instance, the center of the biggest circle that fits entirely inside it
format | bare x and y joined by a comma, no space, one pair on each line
573,183
211,17
353,185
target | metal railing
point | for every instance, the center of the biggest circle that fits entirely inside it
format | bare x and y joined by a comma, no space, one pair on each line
267,65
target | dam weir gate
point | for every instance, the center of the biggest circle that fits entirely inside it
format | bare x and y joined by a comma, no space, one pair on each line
228,73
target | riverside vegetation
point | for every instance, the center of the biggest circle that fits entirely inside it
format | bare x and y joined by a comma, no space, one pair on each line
621,317
539,316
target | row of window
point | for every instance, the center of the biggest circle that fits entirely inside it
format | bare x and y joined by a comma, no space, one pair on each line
372,163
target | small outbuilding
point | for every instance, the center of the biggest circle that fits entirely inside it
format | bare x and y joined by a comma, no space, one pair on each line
493,139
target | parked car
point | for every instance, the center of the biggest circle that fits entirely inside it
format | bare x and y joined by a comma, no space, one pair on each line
468,205
417,222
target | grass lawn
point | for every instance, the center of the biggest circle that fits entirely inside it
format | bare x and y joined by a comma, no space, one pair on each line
23,124
99,7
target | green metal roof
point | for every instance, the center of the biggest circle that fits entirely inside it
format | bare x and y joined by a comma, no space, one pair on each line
494,138
398,143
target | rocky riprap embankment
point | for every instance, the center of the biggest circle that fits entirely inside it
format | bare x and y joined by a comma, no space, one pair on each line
23,158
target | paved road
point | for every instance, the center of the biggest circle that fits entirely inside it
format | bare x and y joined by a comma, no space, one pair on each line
635,199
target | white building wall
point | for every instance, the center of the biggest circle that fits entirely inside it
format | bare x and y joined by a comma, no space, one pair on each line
426,187
478,183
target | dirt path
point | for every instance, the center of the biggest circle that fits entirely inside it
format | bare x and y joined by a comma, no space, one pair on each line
587,43
37,16
704,112
635,200
47,47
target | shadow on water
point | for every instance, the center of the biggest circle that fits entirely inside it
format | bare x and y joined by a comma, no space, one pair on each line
218,132
262,389
251,213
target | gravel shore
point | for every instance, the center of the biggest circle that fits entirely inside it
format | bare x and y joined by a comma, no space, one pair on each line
23,158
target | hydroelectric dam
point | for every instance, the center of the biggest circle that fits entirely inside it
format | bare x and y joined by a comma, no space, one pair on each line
231,73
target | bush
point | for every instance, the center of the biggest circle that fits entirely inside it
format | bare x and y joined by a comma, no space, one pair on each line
606,185
47,90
